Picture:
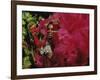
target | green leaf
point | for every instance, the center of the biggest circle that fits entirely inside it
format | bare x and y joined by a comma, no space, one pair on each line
27,52
23,37
29,19
23,22
23,16
40,17
26,62
27,14
24,31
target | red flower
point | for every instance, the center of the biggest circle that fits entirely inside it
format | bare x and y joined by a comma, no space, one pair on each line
38,60
71,41
36,41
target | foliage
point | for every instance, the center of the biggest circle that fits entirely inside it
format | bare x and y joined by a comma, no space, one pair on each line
27,17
